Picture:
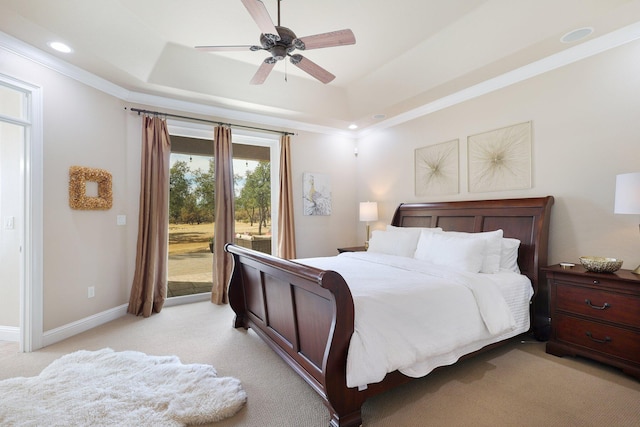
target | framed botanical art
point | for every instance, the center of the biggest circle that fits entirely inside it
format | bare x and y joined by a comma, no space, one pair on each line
436,169
316,197
500,159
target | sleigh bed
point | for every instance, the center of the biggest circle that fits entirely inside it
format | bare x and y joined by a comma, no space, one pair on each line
307,314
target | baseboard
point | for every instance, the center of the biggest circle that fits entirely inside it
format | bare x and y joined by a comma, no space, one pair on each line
187,299
67,331
9,333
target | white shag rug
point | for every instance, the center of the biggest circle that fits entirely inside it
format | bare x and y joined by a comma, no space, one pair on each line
129,388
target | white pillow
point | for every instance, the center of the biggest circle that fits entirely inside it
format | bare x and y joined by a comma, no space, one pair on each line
492,251
452,251
414,232
401,244
509,255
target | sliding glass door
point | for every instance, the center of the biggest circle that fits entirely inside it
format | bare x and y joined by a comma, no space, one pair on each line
192,205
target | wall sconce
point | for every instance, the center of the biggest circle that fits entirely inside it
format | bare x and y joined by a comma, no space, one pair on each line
368,212
627,199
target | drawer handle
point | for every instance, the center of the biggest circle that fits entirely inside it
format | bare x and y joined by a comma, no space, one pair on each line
604,307
604,341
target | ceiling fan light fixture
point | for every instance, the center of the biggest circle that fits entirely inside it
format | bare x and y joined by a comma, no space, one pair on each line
278,52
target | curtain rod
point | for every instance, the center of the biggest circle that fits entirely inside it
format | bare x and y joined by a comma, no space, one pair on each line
157,113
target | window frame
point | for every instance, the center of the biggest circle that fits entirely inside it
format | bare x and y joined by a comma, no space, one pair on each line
245,137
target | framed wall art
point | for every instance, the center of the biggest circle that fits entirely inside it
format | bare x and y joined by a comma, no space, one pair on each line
436,169
78,199
500,159
316,197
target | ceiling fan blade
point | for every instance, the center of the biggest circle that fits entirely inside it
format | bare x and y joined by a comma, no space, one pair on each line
312,68
236,48
259,13
330,39
263,72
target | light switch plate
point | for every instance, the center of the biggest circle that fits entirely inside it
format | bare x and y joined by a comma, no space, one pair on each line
9,223
121,220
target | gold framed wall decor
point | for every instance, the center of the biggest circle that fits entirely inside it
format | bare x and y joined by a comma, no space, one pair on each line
78,199
436,169
500,159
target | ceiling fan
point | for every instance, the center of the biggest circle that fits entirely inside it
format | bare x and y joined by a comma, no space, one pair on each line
280,42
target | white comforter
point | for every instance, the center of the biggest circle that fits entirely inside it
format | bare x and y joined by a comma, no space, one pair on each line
414,316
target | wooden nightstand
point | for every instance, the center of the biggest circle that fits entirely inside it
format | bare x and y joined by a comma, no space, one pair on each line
352,249
595,315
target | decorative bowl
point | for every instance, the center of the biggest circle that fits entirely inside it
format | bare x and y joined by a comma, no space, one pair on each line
599,264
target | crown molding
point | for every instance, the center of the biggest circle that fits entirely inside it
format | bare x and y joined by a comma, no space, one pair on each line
568,56
40,57
271,122
54,63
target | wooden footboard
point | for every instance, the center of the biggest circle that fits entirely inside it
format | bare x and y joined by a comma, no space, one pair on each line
306,316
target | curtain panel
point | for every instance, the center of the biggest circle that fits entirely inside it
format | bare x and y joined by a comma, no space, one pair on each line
224,225
149,288
286,229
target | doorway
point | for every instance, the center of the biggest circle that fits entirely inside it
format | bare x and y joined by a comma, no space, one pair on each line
21,213
11,214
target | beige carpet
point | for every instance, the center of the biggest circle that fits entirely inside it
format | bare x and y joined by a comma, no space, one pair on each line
516,385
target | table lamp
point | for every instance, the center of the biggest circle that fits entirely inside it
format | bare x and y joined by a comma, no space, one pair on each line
628,197
368,212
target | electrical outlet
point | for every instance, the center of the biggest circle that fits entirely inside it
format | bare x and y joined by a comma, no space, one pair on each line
91,291
121,220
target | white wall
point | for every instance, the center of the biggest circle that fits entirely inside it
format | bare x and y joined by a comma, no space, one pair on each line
86,127
333,156
586,129
82,127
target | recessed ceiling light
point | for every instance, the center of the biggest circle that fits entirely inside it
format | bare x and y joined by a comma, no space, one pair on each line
60,47
379,116
575,35
353,126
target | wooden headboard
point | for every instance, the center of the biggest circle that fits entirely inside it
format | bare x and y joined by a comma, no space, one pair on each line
524,219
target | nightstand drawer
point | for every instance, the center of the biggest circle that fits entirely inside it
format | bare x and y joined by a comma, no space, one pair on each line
599,304
618,342
601,280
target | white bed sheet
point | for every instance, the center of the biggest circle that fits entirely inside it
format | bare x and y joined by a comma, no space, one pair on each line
414,316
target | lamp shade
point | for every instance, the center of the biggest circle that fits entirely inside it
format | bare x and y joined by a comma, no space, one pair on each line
368,211
627,193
